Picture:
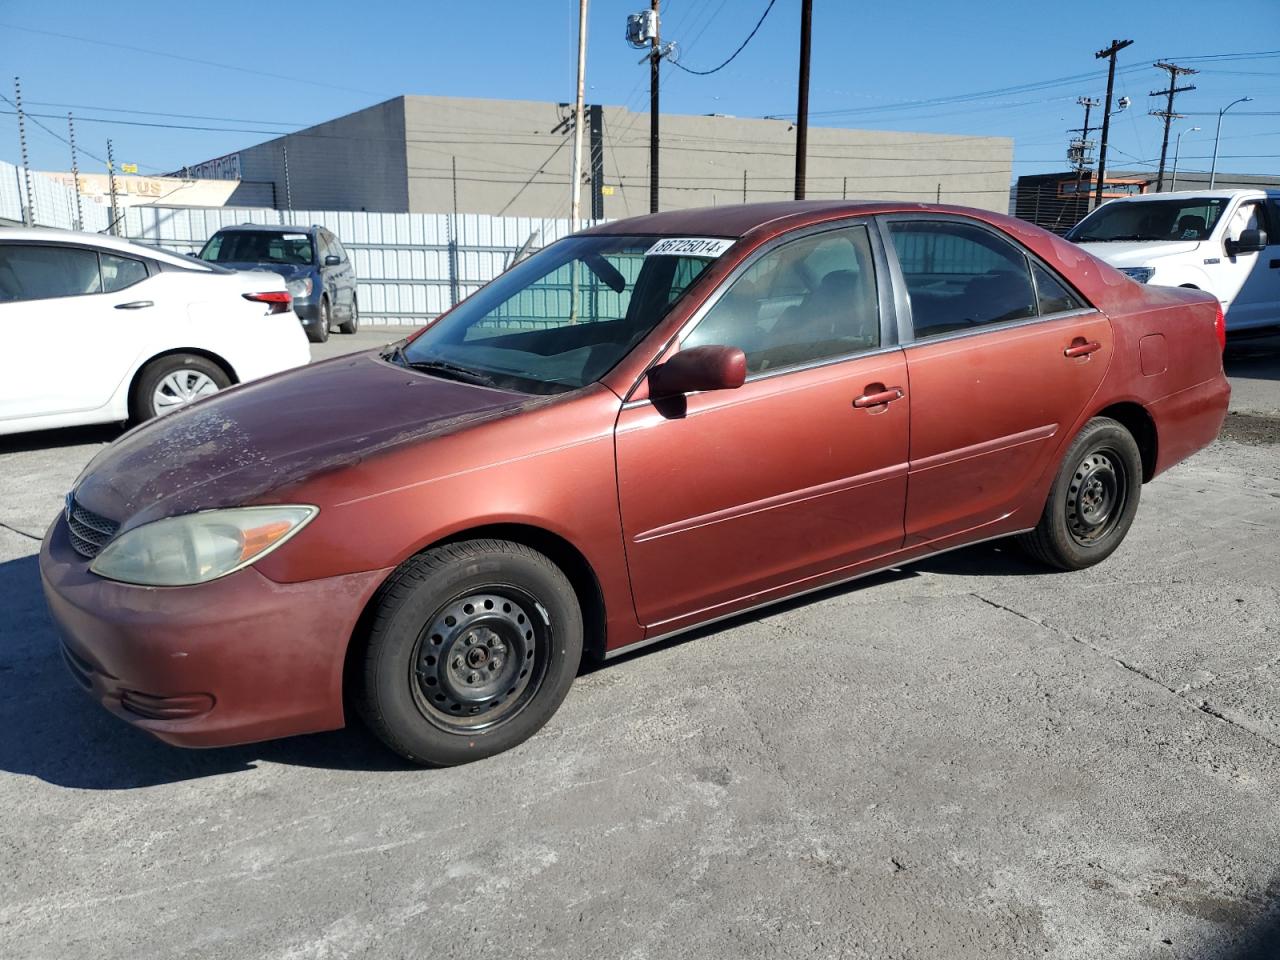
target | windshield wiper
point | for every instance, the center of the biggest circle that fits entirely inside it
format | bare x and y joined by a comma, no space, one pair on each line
443,368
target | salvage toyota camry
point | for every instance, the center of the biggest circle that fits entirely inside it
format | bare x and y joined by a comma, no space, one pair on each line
644,427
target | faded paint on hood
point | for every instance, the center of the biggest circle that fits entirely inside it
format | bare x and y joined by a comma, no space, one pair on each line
237,447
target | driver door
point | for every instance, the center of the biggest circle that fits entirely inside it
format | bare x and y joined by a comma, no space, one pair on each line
737,496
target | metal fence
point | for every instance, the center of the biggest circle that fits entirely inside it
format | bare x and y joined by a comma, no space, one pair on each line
410,266
54,205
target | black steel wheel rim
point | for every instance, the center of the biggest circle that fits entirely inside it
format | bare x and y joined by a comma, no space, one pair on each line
480,659
1096,496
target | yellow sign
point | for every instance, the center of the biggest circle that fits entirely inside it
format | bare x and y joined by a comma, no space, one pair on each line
606,191
128,168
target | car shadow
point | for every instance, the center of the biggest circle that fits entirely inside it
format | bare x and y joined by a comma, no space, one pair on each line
57,734
996,559
53,732
1256,357
62,437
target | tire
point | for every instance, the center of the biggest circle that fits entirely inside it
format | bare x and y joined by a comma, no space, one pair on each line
171,382
1093,499
471,648
352,325
320,334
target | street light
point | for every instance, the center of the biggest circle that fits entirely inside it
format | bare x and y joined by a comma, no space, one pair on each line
1177,144
1213,168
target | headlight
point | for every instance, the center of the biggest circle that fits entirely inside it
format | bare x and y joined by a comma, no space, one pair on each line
1141,274
196,548
299,289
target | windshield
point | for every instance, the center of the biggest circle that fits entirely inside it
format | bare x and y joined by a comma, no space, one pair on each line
561,319
1188,218
258,246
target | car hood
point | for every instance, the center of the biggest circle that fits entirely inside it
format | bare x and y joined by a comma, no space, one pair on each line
289,271
1137,253
239,446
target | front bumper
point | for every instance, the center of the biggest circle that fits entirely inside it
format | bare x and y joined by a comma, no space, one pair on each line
232,661
308,312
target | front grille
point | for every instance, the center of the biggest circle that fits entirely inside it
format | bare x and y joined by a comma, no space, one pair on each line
89,531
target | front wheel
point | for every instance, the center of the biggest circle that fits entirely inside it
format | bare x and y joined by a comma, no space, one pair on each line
472,647
352,325
1093,499
321,332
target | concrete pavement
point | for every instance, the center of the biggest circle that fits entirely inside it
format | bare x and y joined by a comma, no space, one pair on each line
969,758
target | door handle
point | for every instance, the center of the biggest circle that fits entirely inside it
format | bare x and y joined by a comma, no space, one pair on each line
1081,348
135,305
877,395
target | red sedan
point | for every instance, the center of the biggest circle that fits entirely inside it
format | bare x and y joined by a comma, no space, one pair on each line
644,427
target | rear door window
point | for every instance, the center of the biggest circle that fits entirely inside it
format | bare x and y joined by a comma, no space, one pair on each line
41,272
961,277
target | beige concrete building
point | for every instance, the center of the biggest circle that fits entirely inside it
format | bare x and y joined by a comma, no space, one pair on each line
512,157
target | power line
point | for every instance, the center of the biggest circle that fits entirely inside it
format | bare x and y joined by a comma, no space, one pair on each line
741,47
294,78
33,118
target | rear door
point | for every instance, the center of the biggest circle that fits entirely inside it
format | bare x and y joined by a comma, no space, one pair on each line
67,315
729,494
1002,357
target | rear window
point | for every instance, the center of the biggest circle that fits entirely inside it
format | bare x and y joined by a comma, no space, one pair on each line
259,246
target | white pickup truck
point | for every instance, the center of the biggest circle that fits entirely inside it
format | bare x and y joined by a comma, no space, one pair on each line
1226,242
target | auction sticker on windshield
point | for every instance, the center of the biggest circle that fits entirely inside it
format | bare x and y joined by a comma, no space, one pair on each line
689,247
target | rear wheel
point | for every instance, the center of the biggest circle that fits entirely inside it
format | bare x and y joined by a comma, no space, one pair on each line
352,325
1093,499
473,646
169,383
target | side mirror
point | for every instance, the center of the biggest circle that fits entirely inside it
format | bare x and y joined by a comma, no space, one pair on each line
712,367
332,261
1250,241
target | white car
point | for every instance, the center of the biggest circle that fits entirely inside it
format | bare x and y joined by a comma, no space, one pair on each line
1226,242
94,329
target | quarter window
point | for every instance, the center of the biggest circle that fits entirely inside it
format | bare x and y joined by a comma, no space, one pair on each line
1052,296
36,272
959,276
121,272
809,299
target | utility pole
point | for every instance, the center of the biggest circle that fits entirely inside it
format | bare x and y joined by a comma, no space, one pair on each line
30,217
655,78
1080,153
1167,113
75,170
111,186
595,113
844,189
744,186
1108,54
802,98
575,186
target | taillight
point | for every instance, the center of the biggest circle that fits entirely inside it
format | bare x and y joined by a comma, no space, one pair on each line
278,300
1220,328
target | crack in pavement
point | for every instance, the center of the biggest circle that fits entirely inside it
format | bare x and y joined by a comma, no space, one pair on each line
1203,706
21,533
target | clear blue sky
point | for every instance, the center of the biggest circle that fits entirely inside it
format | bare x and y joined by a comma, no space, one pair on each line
867,57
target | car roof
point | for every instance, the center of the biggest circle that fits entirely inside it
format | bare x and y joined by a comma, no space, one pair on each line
736,220
269,228
103,241
1223,193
